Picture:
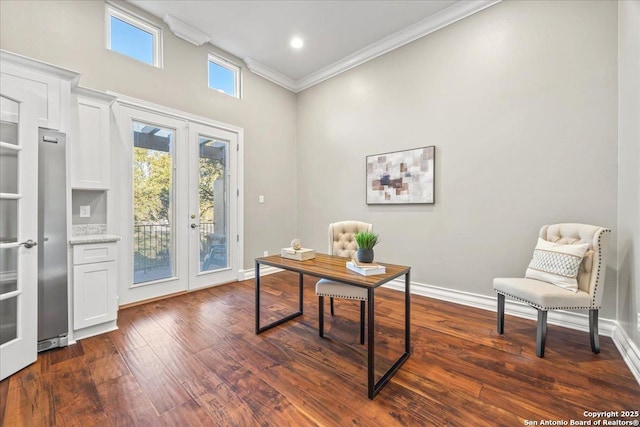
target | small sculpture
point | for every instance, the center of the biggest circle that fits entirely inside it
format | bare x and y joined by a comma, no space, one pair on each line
296,245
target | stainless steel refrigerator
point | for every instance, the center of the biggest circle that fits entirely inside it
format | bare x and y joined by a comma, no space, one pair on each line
53,317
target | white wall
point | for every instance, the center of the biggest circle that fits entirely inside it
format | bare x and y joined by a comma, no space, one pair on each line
629,167
70,34
521,103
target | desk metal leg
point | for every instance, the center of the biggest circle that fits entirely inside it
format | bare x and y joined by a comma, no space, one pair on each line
407,313
371,357
374,388
260,329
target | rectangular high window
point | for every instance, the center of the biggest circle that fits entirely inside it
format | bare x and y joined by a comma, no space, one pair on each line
224,76
132,36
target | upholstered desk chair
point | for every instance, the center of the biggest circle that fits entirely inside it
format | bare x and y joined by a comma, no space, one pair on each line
579,280
342,243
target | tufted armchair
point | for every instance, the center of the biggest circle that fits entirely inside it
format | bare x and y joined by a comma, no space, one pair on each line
342,243
546,296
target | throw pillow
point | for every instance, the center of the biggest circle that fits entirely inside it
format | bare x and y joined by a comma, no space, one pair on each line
557,263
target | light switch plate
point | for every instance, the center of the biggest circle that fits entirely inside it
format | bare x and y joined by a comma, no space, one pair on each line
85,211
261,199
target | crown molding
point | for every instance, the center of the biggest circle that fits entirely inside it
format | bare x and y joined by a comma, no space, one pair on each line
103,96
185,31
450,15
7,57
271,74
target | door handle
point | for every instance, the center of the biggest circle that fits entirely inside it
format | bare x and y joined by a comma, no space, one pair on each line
194,225
29,244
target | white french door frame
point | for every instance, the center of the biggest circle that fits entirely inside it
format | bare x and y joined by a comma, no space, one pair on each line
121,198
178,281
22,350
224,275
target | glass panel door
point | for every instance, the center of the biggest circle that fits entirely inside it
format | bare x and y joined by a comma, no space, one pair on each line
212,201
153,210
154,261
18,228
213,205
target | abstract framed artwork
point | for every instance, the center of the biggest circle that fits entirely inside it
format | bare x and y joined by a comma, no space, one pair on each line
401,177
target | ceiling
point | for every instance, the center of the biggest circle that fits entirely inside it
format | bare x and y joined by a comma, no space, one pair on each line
337,35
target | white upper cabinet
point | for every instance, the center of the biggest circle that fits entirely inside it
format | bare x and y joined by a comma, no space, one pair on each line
51,86
90,152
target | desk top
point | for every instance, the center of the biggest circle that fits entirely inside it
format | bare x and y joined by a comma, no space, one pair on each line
334,268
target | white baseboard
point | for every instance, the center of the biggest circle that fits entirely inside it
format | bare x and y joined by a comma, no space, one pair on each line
93,331
250,273
567,319
628,350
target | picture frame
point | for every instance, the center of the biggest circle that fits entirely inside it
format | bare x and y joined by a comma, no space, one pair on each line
401,177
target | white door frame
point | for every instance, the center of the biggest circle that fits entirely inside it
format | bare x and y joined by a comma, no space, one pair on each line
23,350
120,196
196,279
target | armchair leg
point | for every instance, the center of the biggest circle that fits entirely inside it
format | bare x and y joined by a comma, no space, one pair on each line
331,302
500,314
321,316
542,332
593,331
361,322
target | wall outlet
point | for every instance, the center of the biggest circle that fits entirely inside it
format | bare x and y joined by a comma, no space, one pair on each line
261,199
85,211
266,253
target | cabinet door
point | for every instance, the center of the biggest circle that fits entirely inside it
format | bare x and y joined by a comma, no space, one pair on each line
90,149
94,292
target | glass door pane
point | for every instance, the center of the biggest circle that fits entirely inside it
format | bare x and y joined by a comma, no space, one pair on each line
9,203
212,203
153,203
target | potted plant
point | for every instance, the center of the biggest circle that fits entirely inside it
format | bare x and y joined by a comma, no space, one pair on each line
366,240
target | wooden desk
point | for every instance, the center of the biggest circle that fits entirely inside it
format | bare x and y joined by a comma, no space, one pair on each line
332,267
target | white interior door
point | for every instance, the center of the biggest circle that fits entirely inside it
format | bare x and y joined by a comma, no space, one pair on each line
18,228
213,217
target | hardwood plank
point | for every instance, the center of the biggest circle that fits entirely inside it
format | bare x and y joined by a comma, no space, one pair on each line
4,392
187,414
221,402
29,402
73,386
164,391
107,368
125,403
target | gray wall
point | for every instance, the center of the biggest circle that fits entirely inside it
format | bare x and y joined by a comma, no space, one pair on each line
70,34
97,202
521,103
629,167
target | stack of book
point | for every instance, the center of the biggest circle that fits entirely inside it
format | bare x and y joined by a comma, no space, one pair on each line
298,254
365,268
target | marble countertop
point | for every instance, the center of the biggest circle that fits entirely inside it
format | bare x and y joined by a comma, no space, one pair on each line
84,234
93,238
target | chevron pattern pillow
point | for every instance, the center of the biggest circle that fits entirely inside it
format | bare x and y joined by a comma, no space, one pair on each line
557,263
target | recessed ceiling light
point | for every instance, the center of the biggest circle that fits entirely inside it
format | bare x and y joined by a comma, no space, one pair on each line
297,43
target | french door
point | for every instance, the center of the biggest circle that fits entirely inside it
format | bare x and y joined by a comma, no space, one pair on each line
184,204
18,228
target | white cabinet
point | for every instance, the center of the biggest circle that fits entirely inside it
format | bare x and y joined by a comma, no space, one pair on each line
51,86
94,284
90,149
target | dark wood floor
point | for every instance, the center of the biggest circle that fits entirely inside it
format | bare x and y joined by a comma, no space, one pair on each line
195,360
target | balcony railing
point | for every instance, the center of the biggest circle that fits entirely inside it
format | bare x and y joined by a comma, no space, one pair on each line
152,245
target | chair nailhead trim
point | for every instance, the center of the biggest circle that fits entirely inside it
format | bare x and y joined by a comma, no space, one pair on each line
339,296
547,308
595,289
